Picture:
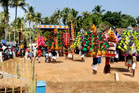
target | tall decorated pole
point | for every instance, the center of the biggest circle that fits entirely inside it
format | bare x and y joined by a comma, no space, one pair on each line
73,38
72,32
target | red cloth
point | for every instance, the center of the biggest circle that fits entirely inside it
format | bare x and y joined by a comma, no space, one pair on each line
39,52
66,39
107,60
66,52
26,50
12,49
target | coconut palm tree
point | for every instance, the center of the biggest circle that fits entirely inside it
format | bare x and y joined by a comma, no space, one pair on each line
38,18
65,14
16,4
5,5
2,17
98,10
30,14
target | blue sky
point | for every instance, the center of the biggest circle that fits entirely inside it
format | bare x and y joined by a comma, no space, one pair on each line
47,7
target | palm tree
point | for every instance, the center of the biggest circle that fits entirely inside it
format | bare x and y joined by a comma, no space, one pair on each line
38,18
16,4
65,13
45,20
98,10
30,14
2,17
5,5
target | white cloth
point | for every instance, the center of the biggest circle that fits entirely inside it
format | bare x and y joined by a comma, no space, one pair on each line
54,57
4,47
134,65
26,55
117,56
57,54
34,53
94,67
50,55
82,55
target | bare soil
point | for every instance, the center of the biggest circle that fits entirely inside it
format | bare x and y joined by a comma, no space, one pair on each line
75,76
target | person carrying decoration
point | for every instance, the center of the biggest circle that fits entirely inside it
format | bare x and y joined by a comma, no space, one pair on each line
39,54
66,53
134,64
49,54
94,64
82,55
129,61
54,55
107,65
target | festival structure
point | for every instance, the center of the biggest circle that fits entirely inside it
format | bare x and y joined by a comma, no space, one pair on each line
59,36
129,41
94,42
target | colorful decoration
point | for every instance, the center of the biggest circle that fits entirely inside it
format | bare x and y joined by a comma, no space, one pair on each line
66,39
129,41
41,41
79,40
72,32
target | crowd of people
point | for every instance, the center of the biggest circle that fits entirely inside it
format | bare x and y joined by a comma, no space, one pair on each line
9,51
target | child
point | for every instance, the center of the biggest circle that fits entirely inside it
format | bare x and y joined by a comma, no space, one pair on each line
46,57
134,64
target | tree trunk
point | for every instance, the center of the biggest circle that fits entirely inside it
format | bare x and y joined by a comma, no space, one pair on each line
15,20
7,20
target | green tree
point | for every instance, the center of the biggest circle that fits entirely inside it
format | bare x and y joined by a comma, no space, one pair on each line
86,20
16,4
114,18
65,14
97,10
5,4
45,20
38,18
127,20
137,19
30,14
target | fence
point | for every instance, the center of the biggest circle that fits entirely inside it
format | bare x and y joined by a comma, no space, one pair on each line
17,77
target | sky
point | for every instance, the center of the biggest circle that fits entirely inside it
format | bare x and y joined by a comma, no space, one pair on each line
47,7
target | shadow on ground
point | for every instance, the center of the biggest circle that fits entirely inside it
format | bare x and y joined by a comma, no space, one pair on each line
130,75
55,62
119,69
78,60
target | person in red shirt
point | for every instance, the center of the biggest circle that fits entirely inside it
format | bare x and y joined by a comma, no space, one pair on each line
39,54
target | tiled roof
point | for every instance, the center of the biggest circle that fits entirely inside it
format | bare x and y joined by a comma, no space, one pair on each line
136,28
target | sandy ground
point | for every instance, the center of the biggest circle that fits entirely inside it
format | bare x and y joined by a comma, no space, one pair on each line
67,76
66,70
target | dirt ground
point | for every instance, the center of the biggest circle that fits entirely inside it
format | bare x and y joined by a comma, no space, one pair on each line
67,76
